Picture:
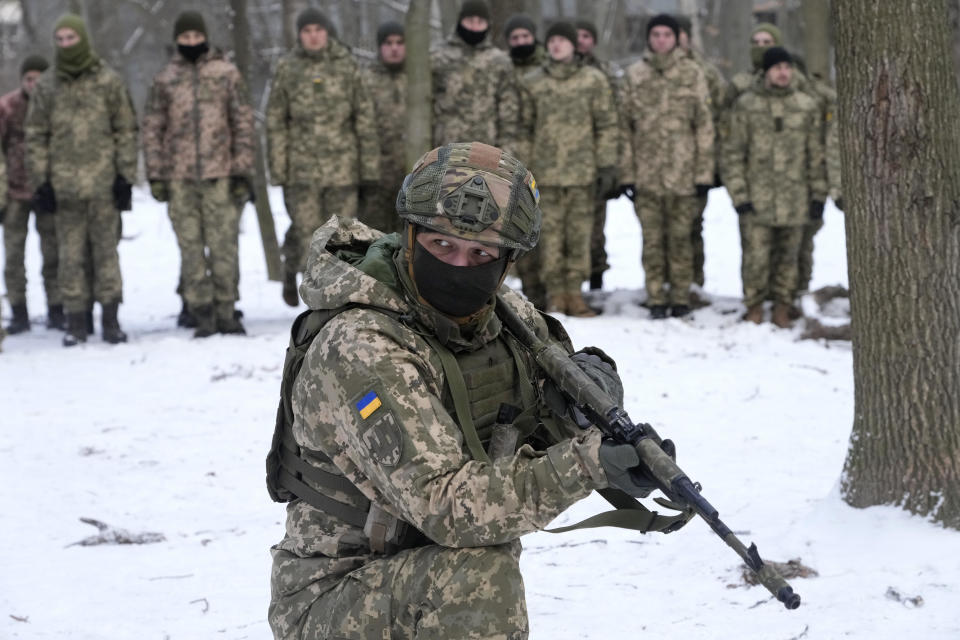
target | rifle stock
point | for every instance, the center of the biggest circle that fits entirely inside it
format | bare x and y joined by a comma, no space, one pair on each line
604,412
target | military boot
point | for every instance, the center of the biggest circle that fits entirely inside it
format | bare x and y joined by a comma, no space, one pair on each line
781,315
227,320
185,318
206,321
88,319
754,314
577,306
290,289
658,312
557,303
76,329
679,310
55,317
20,321
596,281
112,333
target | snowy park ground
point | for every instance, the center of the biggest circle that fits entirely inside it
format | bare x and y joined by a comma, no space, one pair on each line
167,435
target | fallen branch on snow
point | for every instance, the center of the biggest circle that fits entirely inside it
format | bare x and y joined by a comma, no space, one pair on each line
112,535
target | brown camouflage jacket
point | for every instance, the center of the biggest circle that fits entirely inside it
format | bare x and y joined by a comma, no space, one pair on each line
13,114
81,133
198,123
666,104
388,90
321,123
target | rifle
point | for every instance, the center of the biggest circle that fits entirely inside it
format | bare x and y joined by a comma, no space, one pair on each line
613,421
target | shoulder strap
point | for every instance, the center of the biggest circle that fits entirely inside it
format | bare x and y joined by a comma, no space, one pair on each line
630,514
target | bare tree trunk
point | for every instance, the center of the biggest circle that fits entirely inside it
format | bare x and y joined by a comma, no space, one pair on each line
268,233
290,10
953,8
449,10
816,36
900,146
419,83
736,21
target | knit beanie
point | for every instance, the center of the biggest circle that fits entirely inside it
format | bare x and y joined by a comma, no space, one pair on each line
775,55
769,28
313,16
476,8
684,23
663,20
519,21
388,29
564,29
33,63
586,25
189,21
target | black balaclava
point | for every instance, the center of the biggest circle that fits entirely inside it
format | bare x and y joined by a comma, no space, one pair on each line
191,21
477,8
455,291
520,21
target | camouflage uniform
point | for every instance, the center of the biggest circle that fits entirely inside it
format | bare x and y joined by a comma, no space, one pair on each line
81,133
388,89
322,138
409,457
475,95
571,121
667,111
13,113
197,134
773,158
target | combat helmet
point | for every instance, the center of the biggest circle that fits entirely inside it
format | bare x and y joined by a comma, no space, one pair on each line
473,191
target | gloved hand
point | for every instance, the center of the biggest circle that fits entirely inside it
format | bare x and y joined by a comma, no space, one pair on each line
601,369
160,190
702,189
839,203
621,463
629,190
44,199
3,214
816,210
607,181
122,194
241,190
745,209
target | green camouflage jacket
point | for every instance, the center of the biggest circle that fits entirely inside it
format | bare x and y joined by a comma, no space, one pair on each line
198,123
773,156
666,104
715,83
570,121
321,124
388,90
81,133
474,95
408,454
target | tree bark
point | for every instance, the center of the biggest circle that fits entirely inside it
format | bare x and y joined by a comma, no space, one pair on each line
900,147
816,36
419,87
736,20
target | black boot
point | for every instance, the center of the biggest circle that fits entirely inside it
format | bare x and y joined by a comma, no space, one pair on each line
186,319
227,320
206,321
290,289
55,317
112,332
88,318
20,321
596,281
76,329
658,312
679,310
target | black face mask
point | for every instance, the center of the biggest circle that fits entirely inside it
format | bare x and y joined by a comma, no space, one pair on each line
455,291
194,51
523,51
472,38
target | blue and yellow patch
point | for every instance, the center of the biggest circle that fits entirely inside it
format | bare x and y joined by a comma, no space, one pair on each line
368,404
534,190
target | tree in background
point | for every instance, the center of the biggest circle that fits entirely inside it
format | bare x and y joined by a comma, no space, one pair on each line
900,142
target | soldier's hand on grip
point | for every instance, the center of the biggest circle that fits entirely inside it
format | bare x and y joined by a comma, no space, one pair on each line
122,194
44,199
816,210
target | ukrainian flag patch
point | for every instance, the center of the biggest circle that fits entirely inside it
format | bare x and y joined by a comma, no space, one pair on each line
368,404
534,190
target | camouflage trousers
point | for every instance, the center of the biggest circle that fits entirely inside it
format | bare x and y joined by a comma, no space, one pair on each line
769,266
667,251
87,237
14,247
429,593
207,224
598,241
696,242
565,237
378,206
805,262
309,206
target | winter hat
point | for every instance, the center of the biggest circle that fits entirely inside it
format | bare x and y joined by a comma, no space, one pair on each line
564,29
476,8
663,20
586,25
313,16
189,21
775,55
33,63
684,23
519,21
769,28
388,29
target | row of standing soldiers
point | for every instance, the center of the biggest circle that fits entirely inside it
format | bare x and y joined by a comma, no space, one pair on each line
335,132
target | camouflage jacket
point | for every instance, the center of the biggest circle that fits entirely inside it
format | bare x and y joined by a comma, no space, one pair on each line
614,75
773,156
198,123
388,89
716,83
571,122
408,454
827,97
537,58
13,113
81,133
667,111
474,95
321,123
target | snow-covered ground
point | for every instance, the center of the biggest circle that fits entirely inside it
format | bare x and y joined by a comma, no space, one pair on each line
168,435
